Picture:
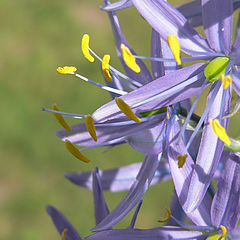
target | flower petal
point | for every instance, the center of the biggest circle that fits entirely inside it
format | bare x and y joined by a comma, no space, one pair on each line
61,223
144,76
137,190
118,179
226,204
163,233
181,176
166,20
161,92
100,206
208,157
217,21
117,5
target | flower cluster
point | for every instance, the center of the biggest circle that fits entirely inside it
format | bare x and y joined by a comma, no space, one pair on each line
152,112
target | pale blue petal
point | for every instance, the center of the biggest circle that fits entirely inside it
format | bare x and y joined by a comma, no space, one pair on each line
117,5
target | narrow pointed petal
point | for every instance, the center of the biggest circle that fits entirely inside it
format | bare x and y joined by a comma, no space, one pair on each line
118,179
149,141
217,21
236,81
144,76
61,223
181,176
117,5
161,92
192,11
208,157
100,206
137,190
226,203
163,233
80,136
166,20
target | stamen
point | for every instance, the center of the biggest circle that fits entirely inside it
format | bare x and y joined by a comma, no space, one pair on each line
129,59
91,128
226,80
66,70
85,48
175,48
105,67
60,118
167,218
220,131
75,152
125,108
64,232
224,231
114,90
71,115
181,160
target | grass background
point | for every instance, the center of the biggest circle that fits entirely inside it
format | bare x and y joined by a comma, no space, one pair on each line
36,37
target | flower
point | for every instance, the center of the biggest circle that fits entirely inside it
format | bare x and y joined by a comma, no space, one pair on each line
224,59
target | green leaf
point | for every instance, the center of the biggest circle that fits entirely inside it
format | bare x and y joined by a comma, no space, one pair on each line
216,68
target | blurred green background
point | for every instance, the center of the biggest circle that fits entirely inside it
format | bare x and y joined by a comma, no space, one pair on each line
36,37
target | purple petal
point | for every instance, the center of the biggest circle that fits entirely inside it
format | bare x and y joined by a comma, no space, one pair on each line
100,206
137,190
208,157
62,223
144,76
161,92
80,136
149,141
236,44
192,11
118,179
117,5
236,81
166,20
181,176
163,233
217,21
226,203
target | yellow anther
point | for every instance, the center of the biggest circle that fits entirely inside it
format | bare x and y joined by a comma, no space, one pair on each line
63,235
175,48
66,70
91,128
60,118
220,131
226,80
75,152
124,107
129,59
85,48
105,67
224,232
181,160
167,218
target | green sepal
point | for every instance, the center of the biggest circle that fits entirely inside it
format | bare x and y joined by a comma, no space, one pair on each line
153,112
216,68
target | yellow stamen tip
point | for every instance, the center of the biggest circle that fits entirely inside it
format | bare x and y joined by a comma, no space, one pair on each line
124,107
75,152
175,48
90,127
129,59
66,70
226,80
85,48
60,118
224,232
220,131
105,67
63,235
181,160
167,218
